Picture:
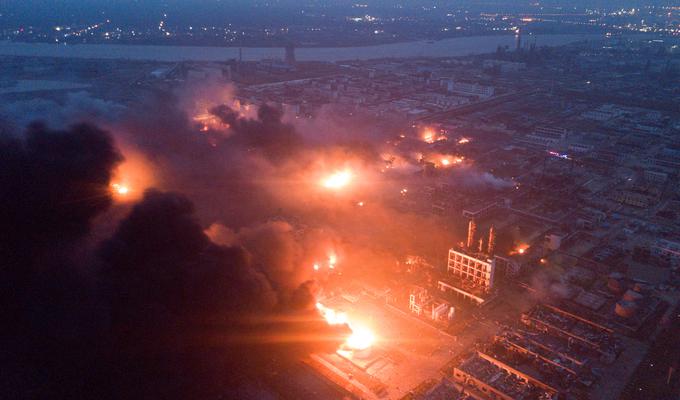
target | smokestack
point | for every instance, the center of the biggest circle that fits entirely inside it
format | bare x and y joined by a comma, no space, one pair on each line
472,229
492,241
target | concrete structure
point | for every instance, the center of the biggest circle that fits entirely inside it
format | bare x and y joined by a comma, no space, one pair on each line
475,270
481,211
422,304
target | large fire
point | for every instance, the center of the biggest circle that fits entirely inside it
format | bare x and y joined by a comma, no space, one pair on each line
361,337
132,177
429,135
120,189
337,180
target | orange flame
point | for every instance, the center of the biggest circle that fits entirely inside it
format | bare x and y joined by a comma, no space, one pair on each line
361,337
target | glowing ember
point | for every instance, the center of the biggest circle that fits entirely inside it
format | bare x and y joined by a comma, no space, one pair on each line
463,140
316,267
446,162
332,260
337,180
360,204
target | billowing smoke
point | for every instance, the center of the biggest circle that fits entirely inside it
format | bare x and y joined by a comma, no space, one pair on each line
472,178
165,308
276,140
549,287
159,310
177,297
53,183
76,106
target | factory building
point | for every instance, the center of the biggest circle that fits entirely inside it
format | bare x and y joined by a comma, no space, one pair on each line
487,377
547,136
587,333
468,277
472,269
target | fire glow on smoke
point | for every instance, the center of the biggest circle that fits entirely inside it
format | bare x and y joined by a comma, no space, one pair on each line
120,189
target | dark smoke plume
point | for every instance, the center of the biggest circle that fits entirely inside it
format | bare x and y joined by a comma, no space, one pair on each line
53,183
268,132
160,311
190,312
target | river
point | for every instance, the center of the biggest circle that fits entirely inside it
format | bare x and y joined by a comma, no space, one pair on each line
443,48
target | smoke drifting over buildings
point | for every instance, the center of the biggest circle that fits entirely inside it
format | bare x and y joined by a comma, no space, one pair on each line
175,306
159,298
268,133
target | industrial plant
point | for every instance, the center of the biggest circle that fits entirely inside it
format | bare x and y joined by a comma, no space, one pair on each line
305,200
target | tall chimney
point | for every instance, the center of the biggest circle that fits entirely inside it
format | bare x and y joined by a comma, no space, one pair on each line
472,229
492,241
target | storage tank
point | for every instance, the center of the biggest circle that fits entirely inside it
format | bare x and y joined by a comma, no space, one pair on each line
625,309
614,285
632,296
